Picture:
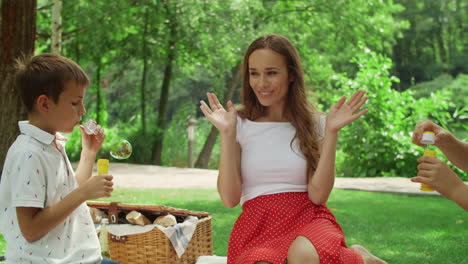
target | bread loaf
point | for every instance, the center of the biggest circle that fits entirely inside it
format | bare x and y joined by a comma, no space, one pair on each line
165,220
137,218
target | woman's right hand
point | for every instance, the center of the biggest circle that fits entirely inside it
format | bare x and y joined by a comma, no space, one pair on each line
224,121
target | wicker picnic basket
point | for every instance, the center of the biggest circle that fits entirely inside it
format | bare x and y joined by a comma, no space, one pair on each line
154,246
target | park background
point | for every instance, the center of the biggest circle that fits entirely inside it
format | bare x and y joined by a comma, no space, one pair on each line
150,63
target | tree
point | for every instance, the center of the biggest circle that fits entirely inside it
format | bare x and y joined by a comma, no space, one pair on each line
18,30
205,153
435,43
327,37
144,56
162,110
194,38
56,27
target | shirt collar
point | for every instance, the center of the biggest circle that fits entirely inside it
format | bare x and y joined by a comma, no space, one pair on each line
35,132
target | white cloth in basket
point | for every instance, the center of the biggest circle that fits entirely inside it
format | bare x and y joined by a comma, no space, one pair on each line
211,260
179,235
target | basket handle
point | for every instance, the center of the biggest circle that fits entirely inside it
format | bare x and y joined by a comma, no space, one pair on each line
112,212
118,239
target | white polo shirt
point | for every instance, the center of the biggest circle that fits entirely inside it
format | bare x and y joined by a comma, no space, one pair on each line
37,174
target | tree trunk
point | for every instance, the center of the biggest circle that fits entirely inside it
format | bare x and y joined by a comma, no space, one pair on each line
56,27
17,36
205,153
99,101
161,123
144,54
164,98
440,44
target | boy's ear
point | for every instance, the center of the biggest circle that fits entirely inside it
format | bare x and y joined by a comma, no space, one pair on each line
43,103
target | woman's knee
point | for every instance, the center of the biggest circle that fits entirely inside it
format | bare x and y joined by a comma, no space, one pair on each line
302,251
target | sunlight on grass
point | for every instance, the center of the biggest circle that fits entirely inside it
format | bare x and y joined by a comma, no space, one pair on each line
398,228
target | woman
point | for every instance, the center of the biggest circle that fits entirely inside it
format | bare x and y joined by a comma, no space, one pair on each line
278,161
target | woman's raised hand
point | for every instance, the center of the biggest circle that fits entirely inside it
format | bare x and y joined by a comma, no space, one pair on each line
224,121
344,112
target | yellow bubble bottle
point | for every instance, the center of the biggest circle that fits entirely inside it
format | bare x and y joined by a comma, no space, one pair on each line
103,166
428,139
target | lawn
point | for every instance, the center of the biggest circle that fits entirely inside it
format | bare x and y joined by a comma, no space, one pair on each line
397,228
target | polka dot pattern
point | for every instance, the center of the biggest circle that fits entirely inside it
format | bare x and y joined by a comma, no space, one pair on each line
269,224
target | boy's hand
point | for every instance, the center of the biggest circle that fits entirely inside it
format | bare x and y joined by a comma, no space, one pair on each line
93,142
98,186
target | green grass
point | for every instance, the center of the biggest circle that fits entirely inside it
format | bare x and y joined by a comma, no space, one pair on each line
397,228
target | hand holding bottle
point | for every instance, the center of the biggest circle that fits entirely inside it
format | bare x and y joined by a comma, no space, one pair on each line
100,185
438,175
428,139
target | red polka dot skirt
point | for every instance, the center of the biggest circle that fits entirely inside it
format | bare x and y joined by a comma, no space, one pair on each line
269,224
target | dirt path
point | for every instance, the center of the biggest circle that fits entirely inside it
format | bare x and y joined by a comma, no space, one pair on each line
150,176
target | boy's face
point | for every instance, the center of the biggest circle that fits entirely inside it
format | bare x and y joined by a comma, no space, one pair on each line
67,112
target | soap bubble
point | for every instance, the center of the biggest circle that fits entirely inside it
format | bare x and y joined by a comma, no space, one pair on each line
122,149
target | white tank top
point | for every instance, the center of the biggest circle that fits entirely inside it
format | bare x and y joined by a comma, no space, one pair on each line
269,162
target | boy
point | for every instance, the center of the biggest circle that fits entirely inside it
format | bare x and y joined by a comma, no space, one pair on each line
43,216
436,173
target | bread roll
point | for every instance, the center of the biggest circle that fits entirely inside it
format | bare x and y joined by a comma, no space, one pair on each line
137,218
165,220
97,215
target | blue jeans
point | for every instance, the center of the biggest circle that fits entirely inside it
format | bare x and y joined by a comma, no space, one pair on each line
108,261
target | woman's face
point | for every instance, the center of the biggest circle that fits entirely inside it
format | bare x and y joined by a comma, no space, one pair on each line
268,77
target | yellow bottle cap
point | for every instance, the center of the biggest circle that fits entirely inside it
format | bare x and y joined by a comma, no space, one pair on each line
103,166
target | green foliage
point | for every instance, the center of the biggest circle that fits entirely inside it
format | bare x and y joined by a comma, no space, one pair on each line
175,147
424,89
458,86
130,131
380,143
112,38
456,119
434,44
2,245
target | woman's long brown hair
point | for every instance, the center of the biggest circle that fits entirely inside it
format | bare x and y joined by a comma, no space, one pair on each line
298,110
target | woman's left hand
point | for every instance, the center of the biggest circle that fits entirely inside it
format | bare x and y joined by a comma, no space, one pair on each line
93,142
344,112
